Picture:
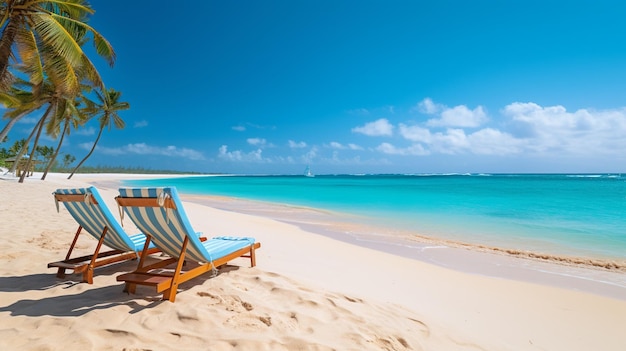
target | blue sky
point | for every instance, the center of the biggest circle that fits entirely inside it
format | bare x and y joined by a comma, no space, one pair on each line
364,86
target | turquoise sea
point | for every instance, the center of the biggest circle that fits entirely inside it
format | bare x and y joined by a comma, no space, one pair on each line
581,215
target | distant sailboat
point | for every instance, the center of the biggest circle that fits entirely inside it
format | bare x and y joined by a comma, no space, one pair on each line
308,173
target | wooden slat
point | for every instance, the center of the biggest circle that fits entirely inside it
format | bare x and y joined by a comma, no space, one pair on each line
160,282
76,267
144,202
74,198
84,259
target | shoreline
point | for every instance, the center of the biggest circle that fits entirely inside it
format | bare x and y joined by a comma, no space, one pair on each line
565,272
308,291
553,236
597,276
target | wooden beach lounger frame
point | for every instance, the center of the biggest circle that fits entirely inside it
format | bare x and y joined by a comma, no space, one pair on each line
86,208
163,218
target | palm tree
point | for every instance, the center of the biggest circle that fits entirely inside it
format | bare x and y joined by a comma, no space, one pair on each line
24,148
20,102
46,37
60,85
59,105
107,109
67,160
55,27
70,117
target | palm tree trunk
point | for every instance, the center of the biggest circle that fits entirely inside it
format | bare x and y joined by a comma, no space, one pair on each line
32,153
56,152
89,154
7,128
24,148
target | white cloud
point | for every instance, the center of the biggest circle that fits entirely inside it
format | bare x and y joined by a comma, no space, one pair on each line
28,120
256,141
141,124
453,141
144,149
427,106
459,116
354,147
490,141
336,145
297,145
339,146
416,149
553,129
415,133
380,127
529,129
239,128
312,153
85,131
238,155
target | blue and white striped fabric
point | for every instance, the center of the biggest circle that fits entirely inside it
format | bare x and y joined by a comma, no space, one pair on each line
93,217
169,226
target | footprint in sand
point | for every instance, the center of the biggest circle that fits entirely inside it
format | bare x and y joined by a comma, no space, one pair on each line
249,322
212,299
232,302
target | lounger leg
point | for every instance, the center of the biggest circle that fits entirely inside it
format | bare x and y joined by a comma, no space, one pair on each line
144,253
252,256
130,287
170,294
88,274
61,271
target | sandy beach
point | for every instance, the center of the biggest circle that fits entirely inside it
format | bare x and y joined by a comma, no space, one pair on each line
308,292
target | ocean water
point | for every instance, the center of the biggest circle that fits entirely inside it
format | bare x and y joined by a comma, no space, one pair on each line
579,215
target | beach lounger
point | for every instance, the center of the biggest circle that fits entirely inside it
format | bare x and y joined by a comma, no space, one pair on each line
159,213
94,217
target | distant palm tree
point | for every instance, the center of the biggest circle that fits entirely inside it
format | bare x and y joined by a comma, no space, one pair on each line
106,109
24,149
55,27
70,116
20,101
54,93
67,160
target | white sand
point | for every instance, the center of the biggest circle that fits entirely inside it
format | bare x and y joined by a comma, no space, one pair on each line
308,292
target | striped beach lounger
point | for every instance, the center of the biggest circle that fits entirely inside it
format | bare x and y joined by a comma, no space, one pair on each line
159,213
89,210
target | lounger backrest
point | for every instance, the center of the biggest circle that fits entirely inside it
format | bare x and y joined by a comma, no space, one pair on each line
93,215
166,223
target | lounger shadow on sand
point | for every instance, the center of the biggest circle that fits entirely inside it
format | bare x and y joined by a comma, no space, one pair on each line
158,212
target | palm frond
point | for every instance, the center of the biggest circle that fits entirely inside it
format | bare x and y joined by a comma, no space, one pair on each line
29,54
102,46
89,73
73,8
53,127
56,36
9,101
118,121
62,76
